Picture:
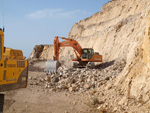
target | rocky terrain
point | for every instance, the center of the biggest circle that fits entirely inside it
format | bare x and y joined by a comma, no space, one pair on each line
95,86
119,32
80,79
38,99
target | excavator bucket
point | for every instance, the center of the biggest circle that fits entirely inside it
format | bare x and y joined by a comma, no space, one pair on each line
51,66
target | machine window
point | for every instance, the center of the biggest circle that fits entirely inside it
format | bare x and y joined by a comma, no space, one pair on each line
0,47
84,51
84,55
90,53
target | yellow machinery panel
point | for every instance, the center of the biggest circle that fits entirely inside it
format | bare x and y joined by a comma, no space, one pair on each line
10,53
13,68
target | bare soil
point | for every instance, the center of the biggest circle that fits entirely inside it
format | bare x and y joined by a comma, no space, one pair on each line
107,98
37,99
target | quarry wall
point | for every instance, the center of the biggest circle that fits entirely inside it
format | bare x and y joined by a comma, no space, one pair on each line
120,30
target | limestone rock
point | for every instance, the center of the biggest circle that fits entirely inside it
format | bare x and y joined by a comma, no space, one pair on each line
30,78
35,83
86,86
56,79
47,78
41,79
72,89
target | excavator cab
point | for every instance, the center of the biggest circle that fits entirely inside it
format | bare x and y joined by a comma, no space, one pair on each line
87,53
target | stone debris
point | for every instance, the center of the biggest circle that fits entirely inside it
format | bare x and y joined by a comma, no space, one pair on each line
81,79
47,78
30,78
35,83
41,79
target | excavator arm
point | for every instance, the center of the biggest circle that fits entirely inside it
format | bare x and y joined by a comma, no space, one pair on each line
67,43
51,66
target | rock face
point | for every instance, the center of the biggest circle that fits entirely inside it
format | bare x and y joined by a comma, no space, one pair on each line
119,30
42,52
46,52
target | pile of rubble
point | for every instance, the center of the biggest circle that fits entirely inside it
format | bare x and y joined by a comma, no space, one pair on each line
81,79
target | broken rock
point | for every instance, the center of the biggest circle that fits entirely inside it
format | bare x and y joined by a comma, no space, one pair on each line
86,86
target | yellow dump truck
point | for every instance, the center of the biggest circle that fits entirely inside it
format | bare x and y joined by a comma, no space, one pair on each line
13,69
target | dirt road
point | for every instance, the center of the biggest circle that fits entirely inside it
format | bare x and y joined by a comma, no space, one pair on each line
37,99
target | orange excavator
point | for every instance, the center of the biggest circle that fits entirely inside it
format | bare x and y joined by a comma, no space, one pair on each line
84,57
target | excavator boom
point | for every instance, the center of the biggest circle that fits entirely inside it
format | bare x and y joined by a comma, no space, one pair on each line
51,66
67,43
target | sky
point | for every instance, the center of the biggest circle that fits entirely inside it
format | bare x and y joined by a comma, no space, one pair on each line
34,22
